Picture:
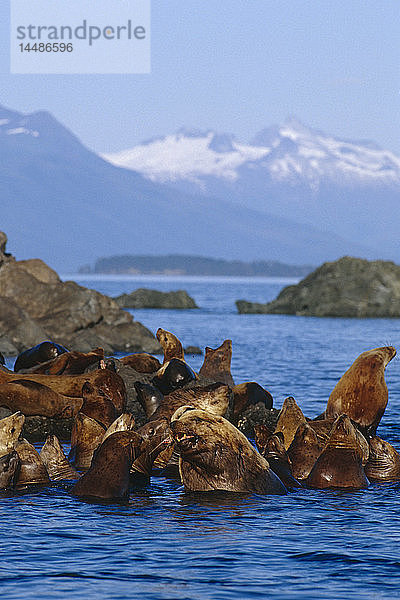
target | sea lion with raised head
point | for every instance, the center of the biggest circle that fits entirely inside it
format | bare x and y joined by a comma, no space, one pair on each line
340,463
176,374
278,459
384,461
217,364
215,455
290,418
323,429
304,451
32,470
97,405
361,393
109,473
33,398
125,422
157,437
9,469
142,362
86,435
170,344
10,431
38,354
55,461
149,397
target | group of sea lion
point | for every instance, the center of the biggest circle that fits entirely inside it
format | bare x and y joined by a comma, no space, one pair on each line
190,426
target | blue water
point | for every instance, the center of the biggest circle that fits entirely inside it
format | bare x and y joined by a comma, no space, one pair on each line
166,544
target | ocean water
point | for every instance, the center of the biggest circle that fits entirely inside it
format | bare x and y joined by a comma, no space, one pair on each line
167,544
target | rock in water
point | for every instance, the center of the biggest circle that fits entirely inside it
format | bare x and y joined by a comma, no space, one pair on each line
348,287
146,298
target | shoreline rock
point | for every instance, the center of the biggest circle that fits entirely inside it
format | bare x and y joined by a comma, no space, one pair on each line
147,298
349,287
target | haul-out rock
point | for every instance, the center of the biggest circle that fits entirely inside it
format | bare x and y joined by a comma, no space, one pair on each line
147,298
348,287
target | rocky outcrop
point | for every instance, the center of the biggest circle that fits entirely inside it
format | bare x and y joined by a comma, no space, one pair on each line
348,287
36,305
146,298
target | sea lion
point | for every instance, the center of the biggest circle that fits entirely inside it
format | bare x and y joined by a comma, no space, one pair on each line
32,470
249,393
97,405
71,385
149,397
68,363
33,398
125,422
108,476
304,451
55,461
215,455
361,393
213,398
176,374
217,364
170,344
384,461
10,431
142,362
9,470
38,354
262,433
157,437
86,435
290,418
323,430
340,463
278,459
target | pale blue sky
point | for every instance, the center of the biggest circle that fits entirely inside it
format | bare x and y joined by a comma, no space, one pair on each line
236,66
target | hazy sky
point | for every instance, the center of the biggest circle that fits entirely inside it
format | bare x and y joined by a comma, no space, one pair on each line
236,66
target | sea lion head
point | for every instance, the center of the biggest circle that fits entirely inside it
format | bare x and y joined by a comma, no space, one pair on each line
10,431
176,375
9,470
149,397
170,344
217,363
384,461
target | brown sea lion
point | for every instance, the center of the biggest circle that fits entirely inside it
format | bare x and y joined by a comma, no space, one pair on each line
71,385
361,393
142,362
262,433
170,344
10,431
38,354
245,394
323,430
108,476
304,451
157,437
214,398
215,455
217,364
340,463
33,398
32,470
384,461
278,459
86,435
149,397
290,418
9,469
125,422
175,375
55,461
68,363
97,405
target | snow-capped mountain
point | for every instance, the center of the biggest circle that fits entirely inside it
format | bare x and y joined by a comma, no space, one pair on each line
291,153
349,187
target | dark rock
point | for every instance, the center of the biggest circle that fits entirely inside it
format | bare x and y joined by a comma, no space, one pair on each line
193,350
257,414
348,287
146,298
67,313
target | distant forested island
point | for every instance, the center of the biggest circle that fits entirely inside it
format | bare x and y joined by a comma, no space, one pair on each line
180,264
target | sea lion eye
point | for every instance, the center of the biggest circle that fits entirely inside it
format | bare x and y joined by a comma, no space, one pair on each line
151,431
